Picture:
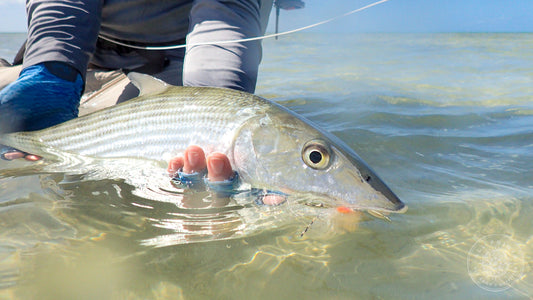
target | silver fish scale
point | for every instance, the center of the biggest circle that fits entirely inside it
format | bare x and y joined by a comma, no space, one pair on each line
152,126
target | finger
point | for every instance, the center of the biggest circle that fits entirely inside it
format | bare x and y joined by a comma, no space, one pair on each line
9,153
218,167
32,157
194,160
13,155
274,199
174,165
270,198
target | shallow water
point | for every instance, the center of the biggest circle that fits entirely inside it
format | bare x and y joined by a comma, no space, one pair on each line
445,119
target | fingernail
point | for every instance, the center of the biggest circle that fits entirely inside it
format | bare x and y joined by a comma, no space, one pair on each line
216,165
192,158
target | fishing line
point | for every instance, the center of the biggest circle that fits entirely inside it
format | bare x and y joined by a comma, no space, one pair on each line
242,40
308,226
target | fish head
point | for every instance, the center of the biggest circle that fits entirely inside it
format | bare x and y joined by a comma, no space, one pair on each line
287,153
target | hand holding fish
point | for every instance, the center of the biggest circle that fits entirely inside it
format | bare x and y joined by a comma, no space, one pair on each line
22,107
195,160
9,153
218,167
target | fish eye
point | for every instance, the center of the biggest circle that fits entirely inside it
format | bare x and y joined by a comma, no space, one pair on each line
316,154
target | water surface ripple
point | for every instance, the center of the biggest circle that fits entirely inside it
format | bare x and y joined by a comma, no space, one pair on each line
445,119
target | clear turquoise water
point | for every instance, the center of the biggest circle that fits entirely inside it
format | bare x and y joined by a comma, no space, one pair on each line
445,119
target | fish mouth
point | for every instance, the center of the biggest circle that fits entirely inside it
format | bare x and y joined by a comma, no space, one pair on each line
397,205
387,207
399,208
385,199
380,200
380,206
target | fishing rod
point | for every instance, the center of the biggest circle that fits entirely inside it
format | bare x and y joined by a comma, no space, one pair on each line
242,40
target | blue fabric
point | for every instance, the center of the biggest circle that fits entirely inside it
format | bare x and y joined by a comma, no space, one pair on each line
198,180
6,149
224,188
38,99
192,180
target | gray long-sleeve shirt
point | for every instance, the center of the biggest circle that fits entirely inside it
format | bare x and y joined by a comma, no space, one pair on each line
67,30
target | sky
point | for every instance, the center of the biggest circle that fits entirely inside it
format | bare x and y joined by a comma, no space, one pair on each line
391,16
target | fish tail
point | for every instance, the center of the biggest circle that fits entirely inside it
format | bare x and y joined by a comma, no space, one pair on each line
25,141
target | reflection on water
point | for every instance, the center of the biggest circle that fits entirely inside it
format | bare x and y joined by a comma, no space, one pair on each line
102,240
444,119
74,234
451,253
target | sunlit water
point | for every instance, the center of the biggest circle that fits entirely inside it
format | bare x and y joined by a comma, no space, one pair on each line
445,119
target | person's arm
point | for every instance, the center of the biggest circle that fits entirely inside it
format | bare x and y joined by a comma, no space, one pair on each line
62,30
61,37
44,95
233,65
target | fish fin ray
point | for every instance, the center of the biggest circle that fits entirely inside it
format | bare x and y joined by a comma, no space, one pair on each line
147,85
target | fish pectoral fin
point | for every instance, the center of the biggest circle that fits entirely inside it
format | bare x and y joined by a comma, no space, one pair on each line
147,85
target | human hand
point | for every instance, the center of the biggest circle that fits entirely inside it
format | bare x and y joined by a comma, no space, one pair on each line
220,176
8,153
44,95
